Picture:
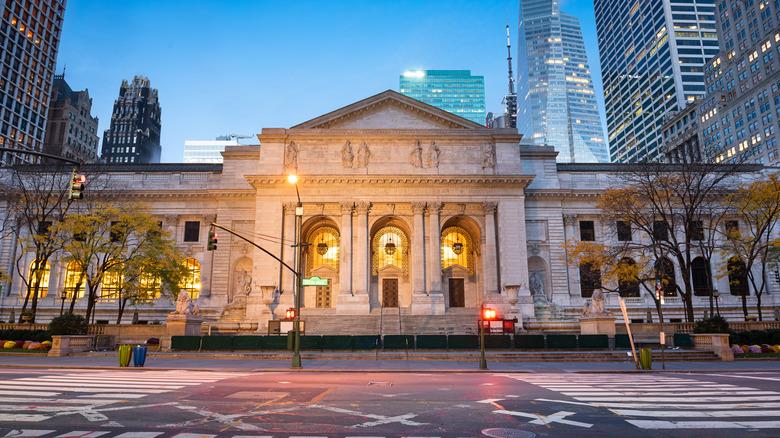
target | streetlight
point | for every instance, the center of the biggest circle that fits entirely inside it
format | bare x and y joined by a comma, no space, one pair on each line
716,294
296,359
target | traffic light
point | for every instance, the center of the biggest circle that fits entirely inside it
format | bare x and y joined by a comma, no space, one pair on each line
77,182
212,243
488,314
290,314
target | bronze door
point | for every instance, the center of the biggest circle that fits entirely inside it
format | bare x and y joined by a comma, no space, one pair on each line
457,296
323,296
390,292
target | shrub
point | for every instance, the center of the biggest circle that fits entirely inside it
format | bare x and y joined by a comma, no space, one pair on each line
68,324
759,337
737,349
713,324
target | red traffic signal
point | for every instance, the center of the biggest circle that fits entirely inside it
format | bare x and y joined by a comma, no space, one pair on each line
77,182
290,314
488,314
211,244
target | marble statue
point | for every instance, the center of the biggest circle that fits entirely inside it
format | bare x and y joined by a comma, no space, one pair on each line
363,155
415,157
596,306
185,305
347,157
488,156
244,283
535,284
291,157
433,155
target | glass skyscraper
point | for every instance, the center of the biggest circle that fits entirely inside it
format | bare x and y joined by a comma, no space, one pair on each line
454,91
556,101
652,58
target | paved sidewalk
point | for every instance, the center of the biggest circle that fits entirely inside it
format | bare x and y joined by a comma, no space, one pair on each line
207,361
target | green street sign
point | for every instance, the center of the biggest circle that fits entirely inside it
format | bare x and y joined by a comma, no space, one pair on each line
314,281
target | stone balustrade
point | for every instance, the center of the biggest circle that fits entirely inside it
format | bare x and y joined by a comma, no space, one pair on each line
65,344
715,342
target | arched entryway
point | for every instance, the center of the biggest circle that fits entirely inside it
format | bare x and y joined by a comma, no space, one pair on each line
460,250
390,263
322,258
738,281
628,285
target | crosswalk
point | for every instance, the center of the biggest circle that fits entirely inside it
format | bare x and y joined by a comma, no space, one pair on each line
49,433
39,398
666,402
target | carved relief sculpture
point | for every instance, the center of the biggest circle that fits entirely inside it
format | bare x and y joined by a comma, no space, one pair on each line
415,157
291,158
363,155
347,157
244,286
488,156
535,283
432,155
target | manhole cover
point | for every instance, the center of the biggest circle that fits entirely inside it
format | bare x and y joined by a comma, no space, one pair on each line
507,433
379,384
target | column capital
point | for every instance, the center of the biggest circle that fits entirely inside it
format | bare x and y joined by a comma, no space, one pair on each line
569,218
209,218
171,219
289,207
362,207
418,207
347,207
435,207
489,207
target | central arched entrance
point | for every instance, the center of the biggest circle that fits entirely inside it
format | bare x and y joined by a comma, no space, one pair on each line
390,265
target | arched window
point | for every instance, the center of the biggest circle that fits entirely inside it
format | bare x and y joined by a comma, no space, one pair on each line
457,249
738,281
628,285
149,286
700,275
590,279
664,270
191,283
42,273
74,278
390,247
324,249
112,283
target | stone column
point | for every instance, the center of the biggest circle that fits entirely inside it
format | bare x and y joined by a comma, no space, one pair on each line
361,263
418,250
434,248
288,252
345,256
569,231
490,262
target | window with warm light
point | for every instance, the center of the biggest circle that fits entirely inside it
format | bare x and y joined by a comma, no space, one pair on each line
42,273
457,249
149,287
112,283
324,249
390,247
75,280
191,283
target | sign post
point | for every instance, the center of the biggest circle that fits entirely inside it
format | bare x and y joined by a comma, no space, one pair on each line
663,342
628,328
314,281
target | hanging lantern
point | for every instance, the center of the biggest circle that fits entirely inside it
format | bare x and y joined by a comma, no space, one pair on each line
457,248
322,248
390,248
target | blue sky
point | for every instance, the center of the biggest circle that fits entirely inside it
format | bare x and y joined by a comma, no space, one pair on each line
238,66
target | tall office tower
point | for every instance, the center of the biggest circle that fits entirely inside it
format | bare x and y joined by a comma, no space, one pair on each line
740,113
71,131
208,151
652,58
134,135
556,101
454,91
29,40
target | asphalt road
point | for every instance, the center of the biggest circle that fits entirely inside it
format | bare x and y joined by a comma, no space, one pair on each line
139,403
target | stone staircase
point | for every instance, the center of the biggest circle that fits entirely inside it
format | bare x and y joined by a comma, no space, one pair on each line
390,321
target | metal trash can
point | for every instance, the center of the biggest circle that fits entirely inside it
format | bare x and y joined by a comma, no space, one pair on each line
291,340
125,352
139,355
645,358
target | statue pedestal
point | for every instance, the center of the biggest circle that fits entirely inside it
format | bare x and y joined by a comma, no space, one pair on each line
184,325
598,324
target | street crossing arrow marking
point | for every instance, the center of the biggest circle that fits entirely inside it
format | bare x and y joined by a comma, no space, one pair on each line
557,417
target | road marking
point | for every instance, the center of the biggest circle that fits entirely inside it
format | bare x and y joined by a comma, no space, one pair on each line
668,405
681,393
192,435
712,414
490,400
23,418
557,417
673,399
381,419
650,424
35,382
82,434
138,434
774,379
39,393
27,433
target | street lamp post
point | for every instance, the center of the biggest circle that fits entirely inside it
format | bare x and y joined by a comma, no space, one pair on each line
716,295
296,359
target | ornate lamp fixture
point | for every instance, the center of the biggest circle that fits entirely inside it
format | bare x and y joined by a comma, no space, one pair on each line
457,247
390,246
322,247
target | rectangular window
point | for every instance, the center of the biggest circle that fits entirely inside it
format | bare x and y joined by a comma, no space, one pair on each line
697,230
587,231
732,228
115,232
660,231
191,231
43,228
623,231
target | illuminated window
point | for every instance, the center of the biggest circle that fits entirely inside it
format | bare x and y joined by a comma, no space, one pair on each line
191,283
457,249
390,247
324,249
112,283
42,276
149,287
74,278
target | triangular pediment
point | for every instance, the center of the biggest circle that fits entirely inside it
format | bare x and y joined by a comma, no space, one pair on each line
389,110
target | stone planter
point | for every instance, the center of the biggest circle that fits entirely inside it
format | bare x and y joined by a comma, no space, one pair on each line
65,344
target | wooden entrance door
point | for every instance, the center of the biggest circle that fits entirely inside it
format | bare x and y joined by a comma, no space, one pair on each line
323,295
457,296
390,292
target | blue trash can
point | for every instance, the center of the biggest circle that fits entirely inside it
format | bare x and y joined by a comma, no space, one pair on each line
139,355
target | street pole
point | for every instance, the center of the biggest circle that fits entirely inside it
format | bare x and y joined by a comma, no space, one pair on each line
716,294
296,359
482,361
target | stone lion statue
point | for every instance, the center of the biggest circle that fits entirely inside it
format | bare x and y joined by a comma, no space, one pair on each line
596,306
185,305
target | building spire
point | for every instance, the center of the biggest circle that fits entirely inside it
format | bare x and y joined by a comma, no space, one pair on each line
510,100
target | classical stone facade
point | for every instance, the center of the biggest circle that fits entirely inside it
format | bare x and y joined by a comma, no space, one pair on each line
406,209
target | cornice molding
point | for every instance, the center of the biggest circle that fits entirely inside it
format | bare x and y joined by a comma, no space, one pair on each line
561,194
520,181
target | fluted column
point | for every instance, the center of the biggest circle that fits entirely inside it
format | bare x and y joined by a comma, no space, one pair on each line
418,249
570,231
288,252
361,260
345,256
434,248
491,255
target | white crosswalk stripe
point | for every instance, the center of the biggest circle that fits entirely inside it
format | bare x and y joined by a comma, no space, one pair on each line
35,433
654,402
36,399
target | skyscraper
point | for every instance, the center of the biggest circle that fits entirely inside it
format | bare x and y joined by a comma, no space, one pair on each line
29,40
134,135
455,91
556,101
652,58
71,131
